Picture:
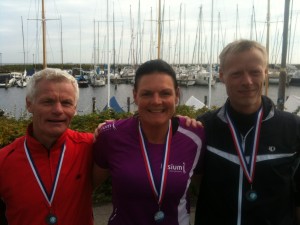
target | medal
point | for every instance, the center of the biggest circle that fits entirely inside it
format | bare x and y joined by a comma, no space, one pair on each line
159,216
51,219
248,165
158,193
251,195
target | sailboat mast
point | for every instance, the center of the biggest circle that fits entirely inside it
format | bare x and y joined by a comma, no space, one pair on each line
151,35
236,22
283,72
108,63
114,47
23,41
80,45
61,44
211,47
267,47
44,36
159,29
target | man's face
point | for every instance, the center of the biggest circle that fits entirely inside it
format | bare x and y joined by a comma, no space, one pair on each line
243,75
53,108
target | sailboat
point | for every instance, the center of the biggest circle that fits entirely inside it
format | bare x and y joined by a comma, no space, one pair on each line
201,74
22,82
96,78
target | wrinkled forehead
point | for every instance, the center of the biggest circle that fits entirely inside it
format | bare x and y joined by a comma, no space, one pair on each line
250,57
44,86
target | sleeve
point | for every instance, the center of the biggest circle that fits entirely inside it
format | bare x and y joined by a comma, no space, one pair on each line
200,164
100,152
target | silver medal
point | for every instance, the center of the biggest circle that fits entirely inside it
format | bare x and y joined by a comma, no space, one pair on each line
159,216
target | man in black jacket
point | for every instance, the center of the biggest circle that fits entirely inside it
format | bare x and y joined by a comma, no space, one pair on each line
251,167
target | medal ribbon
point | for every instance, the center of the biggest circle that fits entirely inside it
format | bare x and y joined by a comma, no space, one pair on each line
248,168
158,196
49,197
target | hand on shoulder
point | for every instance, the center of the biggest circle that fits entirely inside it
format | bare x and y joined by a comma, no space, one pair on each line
97,130
191,121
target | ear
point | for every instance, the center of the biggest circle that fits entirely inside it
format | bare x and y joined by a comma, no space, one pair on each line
134,93
266,73
177,101
29,105
177,96
221,76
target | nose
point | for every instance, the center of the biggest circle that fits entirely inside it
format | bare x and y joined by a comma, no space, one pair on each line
57,107
156,98
247,78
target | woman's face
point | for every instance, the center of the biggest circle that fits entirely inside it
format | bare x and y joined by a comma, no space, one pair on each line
156,98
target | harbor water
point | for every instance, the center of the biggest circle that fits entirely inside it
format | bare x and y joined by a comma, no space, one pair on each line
12,100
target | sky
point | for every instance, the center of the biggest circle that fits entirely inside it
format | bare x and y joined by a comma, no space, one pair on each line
84,31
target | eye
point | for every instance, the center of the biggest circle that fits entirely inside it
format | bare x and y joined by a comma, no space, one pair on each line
67,103
166,93
146,94
47,101
236,74
256,72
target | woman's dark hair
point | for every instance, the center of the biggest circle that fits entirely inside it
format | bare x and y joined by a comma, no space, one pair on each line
153,66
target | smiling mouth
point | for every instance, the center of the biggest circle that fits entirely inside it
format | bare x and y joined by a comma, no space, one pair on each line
247,91
56,121
156,110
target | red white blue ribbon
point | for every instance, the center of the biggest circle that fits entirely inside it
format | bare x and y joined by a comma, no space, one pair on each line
158,195
48,196
248,167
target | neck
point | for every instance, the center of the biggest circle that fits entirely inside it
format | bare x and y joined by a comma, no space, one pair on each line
47,142
155,134
246,110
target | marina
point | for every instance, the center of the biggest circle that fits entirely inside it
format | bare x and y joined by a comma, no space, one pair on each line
12,99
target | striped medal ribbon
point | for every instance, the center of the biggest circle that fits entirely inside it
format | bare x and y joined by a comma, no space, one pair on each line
248,167
51,218
159,216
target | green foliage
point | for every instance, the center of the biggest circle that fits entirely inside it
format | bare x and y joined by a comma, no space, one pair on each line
11,129
190,111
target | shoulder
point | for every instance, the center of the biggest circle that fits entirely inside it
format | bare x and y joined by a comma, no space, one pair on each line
209,115
190,130
80,137
286,117
13,145
118,125
9,149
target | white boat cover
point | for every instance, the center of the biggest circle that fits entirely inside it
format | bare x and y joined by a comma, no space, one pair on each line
193,101
292,104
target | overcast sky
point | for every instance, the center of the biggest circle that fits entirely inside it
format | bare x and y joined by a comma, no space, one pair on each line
135,36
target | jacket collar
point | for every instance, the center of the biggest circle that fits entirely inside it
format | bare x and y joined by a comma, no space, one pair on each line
268,109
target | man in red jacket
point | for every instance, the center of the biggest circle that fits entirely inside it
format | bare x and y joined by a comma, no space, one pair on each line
45,175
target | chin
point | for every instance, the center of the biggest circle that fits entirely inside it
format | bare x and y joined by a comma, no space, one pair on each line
58,130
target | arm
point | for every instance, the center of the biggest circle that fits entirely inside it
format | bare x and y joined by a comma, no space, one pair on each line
99,175
97,130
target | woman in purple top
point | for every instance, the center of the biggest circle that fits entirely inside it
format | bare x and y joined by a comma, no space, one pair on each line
152,156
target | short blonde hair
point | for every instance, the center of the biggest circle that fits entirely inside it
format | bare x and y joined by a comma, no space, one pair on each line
53,75
239,46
